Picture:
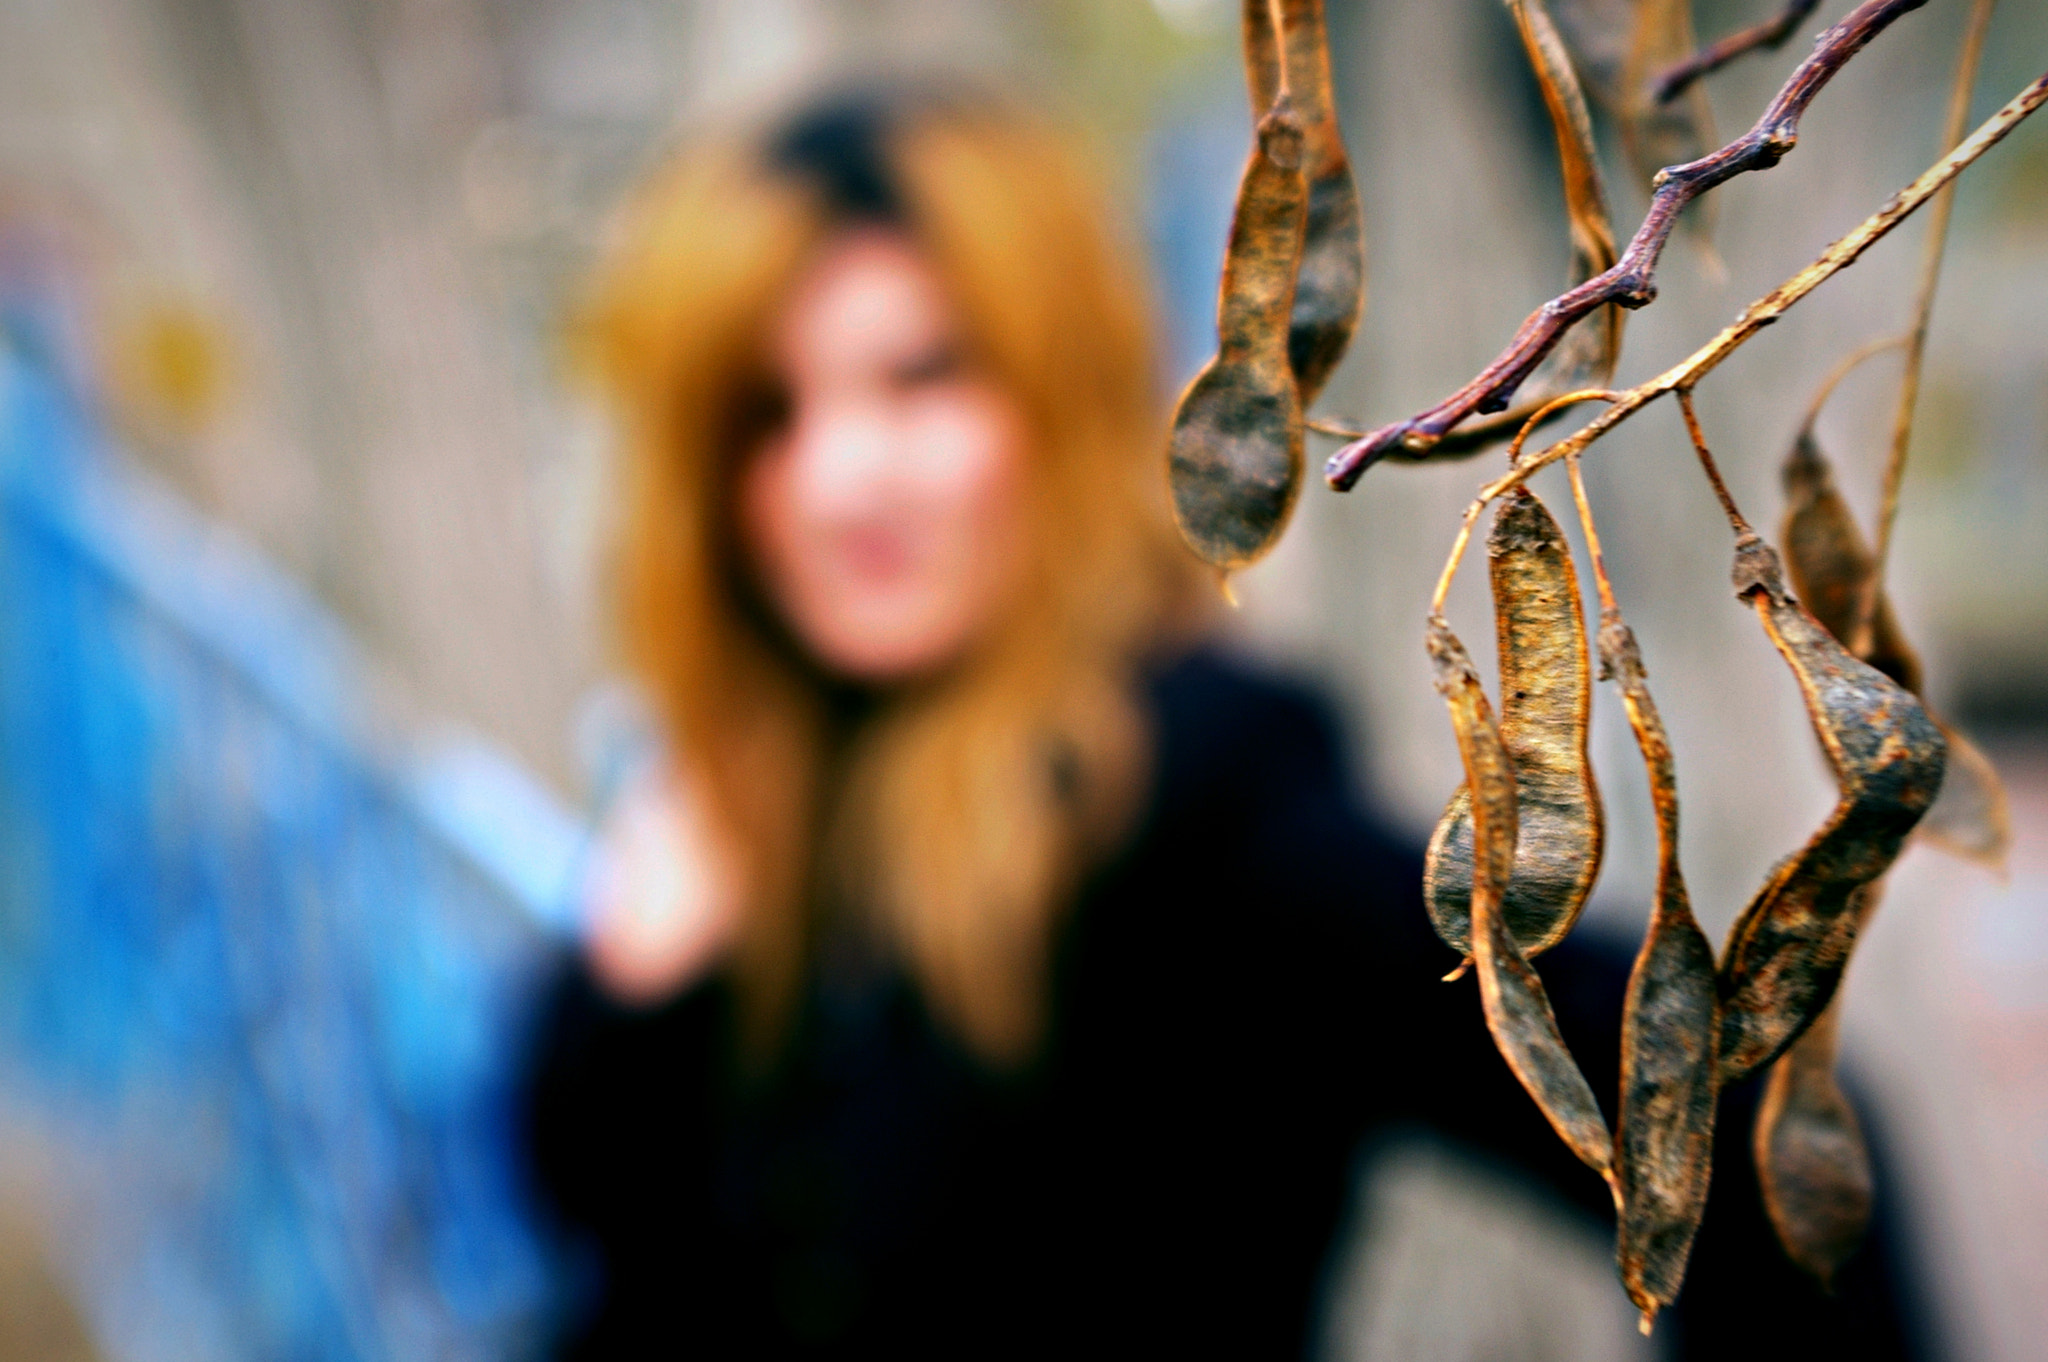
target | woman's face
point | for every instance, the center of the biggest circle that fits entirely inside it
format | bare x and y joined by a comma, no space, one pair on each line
882,509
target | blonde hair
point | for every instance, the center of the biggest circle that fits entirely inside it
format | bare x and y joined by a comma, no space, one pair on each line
961,816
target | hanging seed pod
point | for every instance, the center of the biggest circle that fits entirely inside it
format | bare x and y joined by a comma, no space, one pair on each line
1235,458
1587,355
1517,1009
1790,944
1545,711
1670,1032
1671,1014
1329,293
1811,1162
1829,564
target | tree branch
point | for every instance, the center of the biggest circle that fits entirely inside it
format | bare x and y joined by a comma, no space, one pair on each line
1773,305
1677,78
1631,283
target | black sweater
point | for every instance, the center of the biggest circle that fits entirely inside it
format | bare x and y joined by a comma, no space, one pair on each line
1246,994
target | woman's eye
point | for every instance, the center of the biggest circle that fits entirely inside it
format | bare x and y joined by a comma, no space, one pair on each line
935,364
764,411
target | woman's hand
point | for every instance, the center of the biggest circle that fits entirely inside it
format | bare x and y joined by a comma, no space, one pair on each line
660,899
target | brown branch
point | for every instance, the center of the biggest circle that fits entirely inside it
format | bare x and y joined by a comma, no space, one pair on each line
1773,305
1916,342
1631,282
1769,35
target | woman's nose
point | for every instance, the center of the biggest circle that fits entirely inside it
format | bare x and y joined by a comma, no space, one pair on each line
841,453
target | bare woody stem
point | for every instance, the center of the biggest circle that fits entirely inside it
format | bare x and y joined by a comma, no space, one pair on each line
1916,339
1773,305
1677,78
1631,282
1608,605
1843,368
1709,467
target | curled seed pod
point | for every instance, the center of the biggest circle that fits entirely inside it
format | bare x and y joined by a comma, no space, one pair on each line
1329,293
1811,1161
1670,1032
1517,1009
1829,564
1545,708
1789,946
1235,459
1586,356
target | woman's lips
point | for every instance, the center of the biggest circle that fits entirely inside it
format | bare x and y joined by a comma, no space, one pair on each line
877,555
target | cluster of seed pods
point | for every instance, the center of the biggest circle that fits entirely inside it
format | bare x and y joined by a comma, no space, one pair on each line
1516,852
1811,1161
1518,848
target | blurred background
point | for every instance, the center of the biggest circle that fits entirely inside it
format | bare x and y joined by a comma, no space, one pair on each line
305,698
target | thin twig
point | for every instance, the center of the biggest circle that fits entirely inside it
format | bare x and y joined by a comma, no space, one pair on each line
1332,427
1544,413
1773,305
1631,282
1443,579
1916,346
1769,35
1608,606
1709,467
1843,368
1536,418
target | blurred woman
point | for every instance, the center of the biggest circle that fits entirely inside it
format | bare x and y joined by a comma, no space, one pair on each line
991,970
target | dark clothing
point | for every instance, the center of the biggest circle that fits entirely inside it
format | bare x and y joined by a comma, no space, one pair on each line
1246,994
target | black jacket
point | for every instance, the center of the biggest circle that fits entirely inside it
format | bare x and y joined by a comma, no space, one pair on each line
1245,995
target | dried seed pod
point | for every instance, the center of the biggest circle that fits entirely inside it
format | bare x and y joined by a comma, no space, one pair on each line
1329,292
1670,1033
1517,1009
1810,1158
1789,946
1586,356
1546,699
1829,564
1235,458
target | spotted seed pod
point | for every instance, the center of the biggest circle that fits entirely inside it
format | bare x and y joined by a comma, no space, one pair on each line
1811,1162
1670,1033
1517,1009
1234,461
1329,294
1829,567
1789,946
1546,707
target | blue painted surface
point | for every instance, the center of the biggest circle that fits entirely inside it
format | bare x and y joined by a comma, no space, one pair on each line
259,995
